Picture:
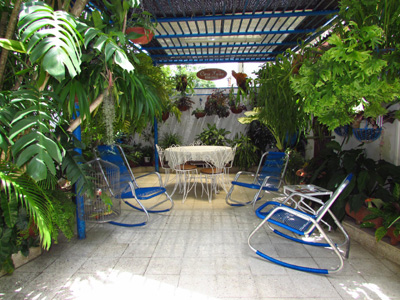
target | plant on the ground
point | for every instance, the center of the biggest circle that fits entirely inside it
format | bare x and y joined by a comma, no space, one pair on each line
246,155
169,140
278,107
214,136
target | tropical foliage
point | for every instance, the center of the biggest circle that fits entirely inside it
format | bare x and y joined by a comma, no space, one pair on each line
277,101
62,68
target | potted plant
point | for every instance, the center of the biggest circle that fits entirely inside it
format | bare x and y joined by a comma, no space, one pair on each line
148,154
140,28
199,113
217,104
277,102
169,140
184,103
213,136
246,155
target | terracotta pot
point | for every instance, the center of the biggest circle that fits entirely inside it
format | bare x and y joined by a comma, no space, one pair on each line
165,116
359,215
145,39
200,115
183,107
235,110
393,239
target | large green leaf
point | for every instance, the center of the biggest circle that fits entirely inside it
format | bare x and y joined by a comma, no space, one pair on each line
12,45
52,39
18,186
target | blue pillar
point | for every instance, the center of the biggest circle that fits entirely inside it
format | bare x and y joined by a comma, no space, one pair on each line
80,206
156,143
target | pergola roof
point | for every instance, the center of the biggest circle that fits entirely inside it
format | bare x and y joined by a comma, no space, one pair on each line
215,31
211,31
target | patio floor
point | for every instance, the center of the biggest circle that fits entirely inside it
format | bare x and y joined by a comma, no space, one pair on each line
197,251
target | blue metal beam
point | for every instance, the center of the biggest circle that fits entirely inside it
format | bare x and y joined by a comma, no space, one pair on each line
250,16
295,31
204,61
223,46
217,54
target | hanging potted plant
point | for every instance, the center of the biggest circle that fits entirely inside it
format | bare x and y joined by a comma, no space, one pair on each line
217,104
184,103
140,28
199,113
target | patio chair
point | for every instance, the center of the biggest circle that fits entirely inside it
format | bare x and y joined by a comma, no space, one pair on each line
298,222
213,175
129,185
185,175
268,177
229,165
164,164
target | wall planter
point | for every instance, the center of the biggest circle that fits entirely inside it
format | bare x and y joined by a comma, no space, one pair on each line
199,115
342,130
147,35
165,116
367,135
236,110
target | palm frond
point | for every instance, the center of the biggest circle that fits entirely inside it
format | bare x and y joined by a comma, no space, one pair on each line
20,187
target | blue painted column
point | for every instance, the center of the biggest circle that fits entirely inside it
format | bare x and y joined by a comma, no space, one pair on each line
80,206
156,143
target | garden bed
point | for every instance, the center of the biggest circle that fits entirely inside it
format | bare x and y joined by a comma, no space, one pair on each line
365,236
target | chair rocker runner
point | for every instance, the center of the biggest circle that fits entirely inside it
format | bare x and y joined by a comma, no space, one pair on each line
268,178
130,188
276,214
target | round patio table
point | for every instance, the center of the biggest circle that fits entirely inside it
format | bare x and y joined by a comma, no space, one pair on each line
216,155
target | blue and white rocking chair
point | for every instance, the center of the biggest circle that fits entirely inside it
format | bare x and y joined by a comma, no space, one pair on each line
130,188
295,220
268,178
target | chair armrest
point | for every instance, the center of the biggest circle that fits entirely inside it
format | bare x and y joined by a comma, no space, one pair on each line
238,174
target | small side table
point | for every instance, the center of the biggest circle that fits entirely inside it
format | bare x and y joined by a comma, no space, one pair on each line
309,190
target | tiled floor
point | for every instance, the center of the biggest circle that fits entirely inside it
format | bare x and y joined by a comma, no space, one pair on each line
197,251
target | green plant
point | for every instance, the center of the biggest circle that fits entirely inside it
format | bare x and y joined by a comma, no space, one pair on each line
142,19
370,178
213,136
296,162
389,212
199,112
217,104
148,151
184,102
246,155
170,139
348,78
278,107
260,136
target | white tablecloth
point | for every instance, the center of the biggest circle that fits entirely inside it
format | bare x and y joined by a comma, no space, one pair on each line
216,155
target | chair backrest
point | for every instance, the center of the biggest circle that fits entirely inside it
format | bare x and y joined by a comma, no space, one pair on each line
115,155
232,158
272,164
324,208
161,156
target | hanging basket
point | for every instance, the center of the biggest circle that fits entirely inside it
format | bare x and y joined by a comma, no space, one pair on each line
342,130
146,37
367,135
